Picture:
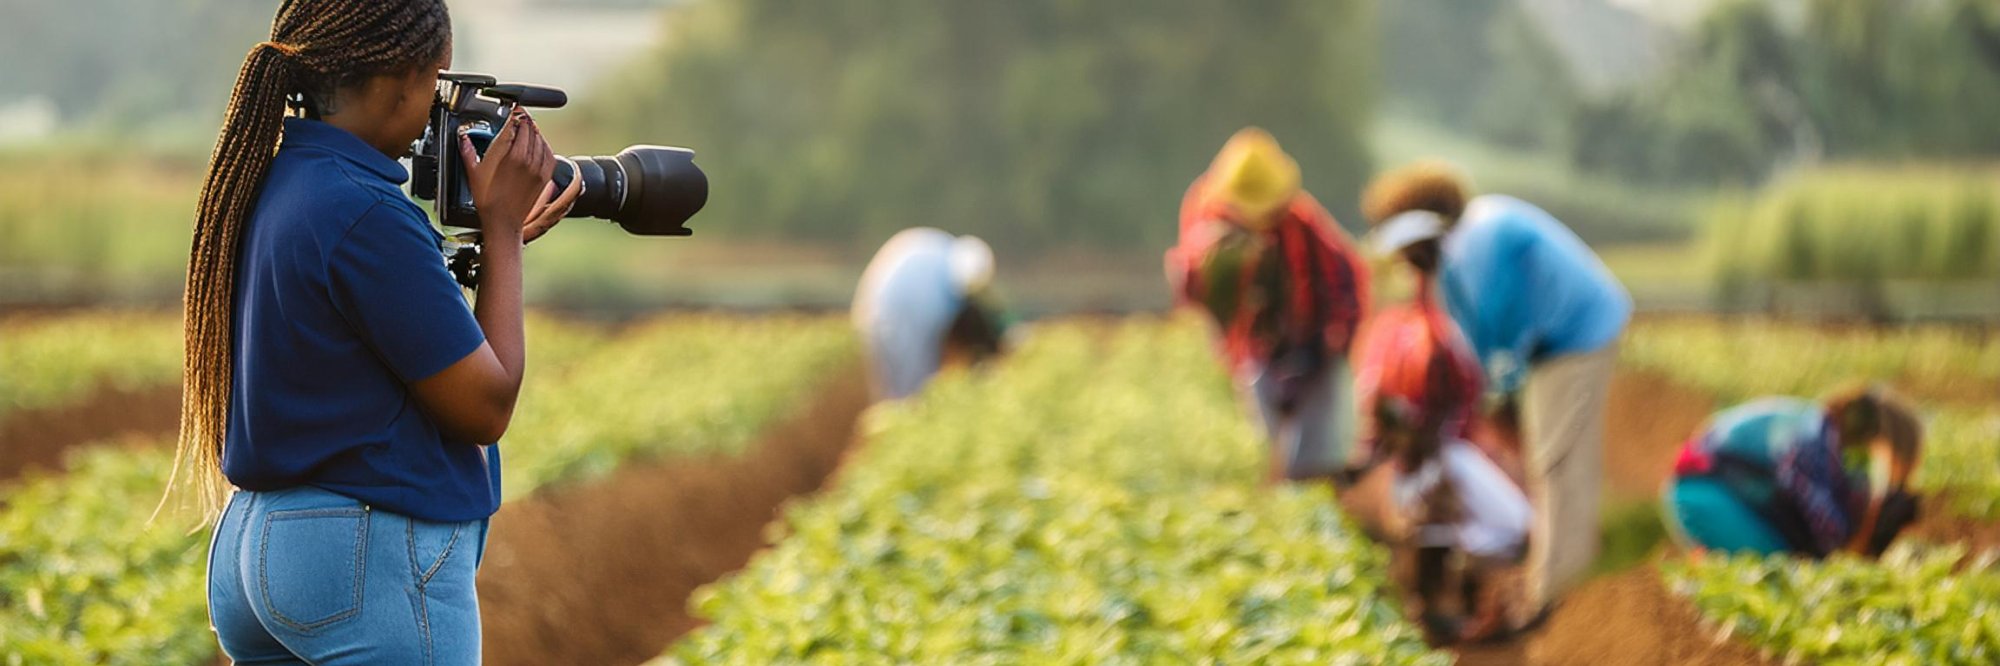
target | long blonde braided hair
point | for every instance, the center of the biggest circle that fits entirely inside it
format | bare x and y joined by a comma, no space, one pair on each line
316,47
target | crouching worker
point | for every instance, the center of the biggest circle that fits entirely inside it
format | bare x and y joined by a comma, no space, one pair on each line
926,298
1286,292
1784,475
1543,316
1461,513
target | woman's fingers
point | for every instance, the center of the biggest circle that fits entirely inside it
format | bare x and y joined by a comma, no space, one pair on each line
466,153
542,202
535,145
552,211
545,159
535,225
510,135
560,207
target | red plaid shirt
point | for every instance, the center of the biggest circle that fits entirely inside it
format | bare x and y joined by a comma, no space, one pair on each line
1320,297
1415,353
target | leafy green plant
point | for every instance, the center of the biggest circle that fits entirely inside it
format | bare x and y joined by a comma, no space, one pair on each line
679,385
1918,605
1094,500
85,580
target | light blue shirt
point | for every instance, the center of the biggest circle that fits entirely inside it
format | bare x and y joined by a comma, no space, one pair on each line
1524,289
904,306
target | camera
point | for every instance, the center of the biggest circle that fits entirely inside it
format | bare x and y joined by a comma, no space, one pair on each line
647,190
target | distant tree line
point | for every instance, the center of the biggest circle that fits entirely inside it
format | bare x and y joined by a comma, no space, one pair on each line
1855,79
1037,123
1749,92
124,65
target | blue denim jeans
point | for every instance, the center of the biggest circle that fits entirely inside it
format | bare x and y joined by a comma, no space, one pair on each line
308,576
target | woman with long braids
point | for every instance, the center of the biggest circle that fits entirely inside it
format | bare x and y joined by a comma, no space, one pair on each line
334,375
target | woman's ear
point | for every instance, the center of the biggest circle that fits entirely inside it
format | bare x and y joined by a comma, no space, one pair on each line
419,87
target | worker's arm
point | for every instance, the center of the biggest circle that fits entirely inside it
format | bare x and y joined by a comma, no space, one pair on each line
1493,302
1887,475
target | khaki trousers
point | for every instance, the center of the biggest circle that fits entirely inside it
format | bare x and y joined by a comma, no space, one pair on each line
1563,415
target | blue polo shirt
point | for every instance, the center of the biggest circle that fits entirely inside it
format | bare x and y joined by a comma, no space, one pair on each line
1525,289
342,301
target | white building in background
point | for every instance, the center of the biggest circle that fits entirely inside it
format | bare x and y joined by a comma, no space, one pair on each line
567,44
29,119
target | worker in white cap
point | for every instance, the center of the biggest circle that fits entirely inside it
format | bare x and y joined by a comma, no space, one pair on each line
925,296
1543,316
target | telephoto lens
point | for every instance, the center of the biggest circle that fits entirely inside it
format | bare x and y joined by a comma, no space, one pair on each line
648,190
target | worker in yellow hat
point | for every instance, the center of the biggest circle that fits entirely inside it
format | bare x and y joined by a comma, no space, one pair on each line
1286,291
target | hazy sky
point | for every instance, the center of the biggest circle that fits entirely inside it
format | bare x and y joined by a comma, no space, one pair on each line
1677,12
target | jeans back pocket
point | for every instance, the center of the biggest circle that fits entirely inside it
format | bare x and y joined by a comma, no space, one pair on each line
311,564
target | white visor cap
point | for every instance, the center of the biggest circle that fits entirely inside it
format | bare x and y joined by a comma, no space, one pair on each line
1405,229
971,264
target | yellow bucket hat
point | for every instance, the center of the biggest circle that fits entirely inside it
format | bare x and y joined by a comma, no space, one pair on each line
1254,176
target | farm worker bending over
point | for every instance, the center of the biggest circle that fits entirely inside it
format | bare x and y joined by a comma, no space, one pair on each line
1794,476
1543,316
1419,385
924,295
1286,292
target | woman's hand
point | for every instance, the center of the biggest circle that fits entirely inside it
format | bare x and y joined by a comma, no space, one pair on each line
551,210
506,182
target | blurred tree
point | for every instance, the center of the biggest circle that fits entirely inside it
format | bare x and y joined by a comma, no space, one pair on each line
1720,117
1856,79
1983,22
124,64
1034,123
1436,54
1528,98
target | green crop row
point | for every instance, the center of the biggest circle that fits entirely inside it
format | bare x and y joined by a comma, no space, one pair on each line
1960,454
49,361
1915,606
1863,224
1094,500
682,385
46,361
1918,606
85,580
1746,358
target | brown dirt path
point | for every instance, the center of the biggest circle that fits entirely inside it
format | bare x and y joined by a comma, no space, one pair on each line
38,439
601,573
1648,417
1627,618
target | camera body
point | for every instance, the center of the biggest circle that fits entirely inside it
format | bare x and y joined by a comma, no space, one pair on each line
647,190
